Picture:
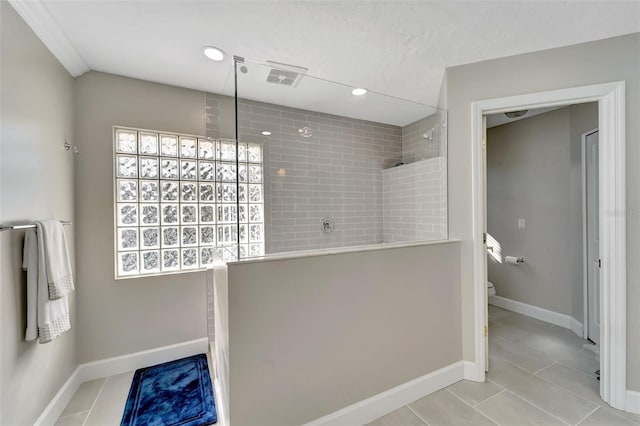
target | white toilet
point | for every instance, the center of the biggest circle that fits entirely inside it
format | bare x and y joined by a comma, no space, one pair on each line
491,290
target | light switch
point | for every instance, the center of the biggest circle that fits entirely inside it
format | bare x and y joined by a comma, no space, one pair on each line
522,224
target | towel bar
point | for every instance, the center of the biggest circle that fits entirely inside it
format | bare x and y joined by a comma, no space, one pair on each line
27,226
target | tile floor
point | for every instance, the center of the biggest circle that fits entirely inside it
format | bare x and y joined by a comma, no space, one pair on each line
540,374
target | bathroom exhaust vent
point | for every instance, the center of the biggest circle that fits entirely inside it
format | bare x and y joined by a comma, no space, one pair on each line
285,74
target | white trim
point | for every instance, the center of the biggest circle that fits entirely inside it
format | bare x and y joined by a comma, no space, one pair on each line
633,401
116,365
471,371
39,19
611,102
541,314
383,403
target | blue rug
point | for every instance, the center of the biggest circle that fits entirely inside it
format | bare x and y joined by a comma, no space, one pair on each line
174,393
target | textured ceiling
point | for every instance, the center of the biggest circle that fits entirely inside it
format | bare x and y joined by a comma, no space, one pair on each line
393,47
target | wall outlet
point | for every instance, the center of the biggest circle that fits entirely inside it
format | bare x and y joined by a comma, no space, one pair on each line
522,224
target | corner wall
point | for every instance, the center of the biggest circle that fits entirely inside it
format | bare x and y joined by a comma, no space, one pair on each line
596,62
36,182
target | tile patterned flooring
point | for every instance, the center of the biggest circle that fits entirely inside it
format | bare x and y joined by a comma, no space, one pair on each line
539,375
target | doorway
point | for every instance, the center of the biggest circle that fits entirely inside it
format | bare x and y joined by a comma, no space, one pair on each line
612,227
591,244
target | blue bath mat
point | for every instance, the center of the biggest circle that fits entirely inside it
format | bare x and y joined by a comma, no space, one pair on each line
174,393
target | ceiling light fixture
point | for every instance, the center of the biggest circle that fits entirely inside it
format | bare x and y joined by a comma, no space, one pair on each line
213,53
266,133
359,91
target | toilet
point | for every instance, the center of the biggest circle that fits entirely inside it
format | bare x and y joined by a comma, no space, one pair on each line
491,290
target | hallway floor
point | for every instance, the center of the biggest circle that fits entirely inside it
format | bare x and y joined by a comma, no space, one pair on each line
539,374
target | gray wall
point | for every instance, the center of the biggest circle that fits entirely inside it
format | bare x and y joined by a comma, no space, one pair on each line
589,63
125,316
533,173
309,336
36,181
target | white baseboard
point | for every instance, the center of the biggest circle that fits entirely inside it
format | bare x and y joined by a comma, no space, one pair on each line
542,314
116,365
471,372
378,405
633,401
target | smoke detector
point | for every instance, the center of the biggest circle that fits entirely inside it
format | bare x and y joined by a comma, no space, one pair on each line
285,74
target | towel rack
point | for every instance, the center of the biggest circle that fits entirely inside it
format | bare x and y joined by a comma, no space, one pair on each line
27,226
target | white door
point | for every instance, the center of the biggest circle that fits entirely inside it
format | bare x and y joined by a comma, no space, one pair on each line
593,243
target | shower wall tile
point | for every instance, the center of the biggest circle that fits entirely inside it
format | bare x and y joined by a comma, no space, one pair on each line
415,201
425,138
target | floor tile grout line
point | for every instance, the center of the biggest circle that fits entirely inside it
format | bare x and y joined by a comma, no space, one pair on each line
569,390
544,368
520,397
472,407
104,382
418,415
587,416
492,396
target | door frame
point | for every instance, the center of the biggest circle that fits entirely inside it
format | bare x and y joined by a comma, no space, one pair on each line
585,260
612,187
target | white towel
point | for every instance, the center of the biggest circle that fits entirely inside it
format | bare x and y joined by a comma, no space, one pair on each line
46,319
56,257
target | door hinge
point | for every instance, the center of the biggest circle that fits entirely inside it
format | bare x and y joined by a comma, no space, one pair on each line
484,238
600,263
486,331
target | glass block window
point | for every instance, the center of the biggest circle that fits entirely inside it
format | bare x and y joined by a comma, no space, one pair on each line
177,199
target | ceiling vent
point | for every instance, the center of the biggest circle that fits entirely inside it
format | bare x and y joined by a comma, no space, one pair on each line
285,74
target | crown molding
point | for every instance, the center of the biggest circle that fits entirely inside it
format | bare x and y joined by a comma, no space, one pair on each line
39,19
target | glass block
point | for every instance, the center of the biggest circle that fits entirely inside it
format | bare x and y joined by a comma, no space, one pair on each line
226,192
256,232
227,234
242,152
206,149
127,214
188,192
189,213
150,214
149,191
243,250
170,260
228,254
226,172
150,261
148,143
255,193
227,213
244,237
170,214
255,153
255,213
126,141
188,169
150,238
242,216
206,214
242,193
189,236
127,238
148,168
170,236
255,173
227,151
127,190
206,256
169,191
169,169
242,172
206,170
188,147
207,235
206,192
190,258
127,166
128,263
169,145
256,250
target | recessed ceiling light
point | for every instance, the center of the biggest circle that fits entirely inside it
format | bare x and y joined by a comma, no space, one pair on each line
359,91
213,53
266,133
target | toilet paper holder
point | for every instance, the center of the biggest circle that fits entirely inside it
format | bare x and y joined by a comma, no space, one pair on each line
512,260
